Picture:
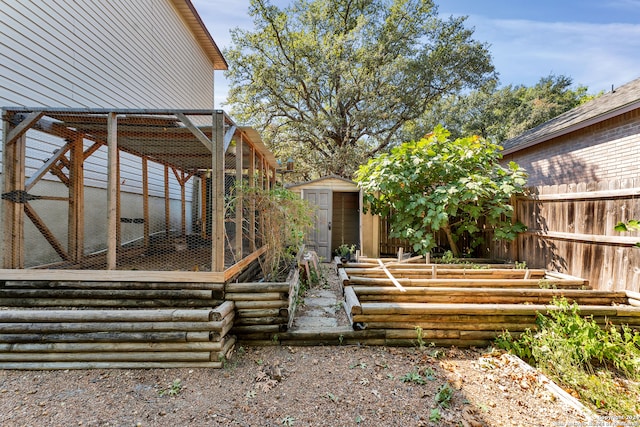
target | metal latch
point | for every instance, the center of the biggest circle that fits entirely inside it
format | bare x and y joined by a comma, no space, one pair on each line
19,196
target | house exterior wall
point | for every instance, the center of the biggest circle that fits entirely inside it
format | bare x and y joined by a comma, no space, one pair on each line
100,54
604,151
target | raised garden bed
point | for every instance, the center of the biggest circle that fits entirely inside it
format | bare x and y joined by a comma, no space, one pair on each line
418,304
81,319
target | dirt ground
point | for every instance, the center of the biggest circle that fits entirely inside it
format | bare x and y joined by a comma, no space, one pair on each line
295,386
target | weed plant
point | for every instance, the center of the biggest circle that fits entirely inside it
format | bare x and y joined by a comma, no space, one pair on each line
601,365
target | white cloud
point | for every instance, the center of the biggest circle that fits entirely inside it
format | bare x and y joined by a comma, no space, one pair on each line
596,55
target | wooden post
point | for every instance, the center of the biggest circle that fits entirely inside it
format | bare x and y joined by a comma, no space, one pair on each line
252,208
515,252
204,191
75,243
217,193
118,204
145,200
183,203
167,202
13,154
239,195
112,190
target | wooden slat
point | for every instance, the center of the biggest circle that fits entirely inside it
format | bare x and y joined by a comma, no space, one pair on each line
112,276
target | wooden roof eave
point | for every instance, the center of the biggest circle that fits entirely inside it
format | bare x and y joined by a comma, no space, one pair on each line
191,17
543,137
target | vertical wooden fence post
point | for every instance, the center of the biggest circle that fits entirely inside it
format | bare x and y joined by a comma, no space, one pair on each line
112,189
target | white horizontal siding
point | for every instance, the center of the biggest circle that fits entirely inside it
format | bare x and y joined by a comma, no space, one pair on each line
100,53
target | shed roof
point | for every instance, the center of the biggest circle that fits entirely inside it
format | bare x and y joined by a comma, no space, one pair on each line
194,22
611,104
320,180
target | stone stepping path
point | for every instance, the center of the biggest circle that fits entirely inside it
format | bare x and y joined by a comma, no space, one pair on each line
319,312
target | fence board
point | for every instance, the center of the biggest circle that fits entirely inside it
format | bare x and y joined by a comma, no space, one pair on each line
571,229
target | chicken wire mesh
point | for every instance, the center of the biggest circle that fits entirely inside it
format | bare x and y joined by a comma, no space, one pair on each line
176,176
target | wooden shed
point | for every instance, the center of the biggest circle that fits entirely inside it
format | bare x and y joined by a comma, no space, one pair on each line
340,218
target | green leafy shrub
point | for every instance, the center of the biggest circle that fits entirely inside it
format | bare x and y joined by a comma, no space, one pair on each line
601,365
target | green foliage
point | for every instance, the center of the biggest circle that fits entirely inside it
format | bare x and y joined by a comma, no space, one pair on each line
285,218
345,251
413,377
501,113
444,395
331,82
288,421
439,184
631,225
434,415
576,352
173,390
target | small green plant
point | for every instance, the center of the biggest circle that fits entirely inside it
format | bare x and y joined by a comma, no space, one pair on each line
546,284
434,415
419,337
288,421
413,377
332,397
429,374
341,339
520,265
448,258
444,395
345,251
173,390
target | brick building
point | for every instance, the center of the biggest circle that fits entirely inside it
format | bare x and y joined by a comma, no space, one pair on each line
597,141
584,170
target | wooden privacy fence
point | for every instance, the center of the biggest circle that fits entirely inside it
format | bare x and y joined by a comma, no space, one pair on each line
429,303
570,228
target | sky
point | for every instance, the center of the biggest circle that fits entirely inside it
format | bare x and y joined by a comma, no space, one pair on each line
595,42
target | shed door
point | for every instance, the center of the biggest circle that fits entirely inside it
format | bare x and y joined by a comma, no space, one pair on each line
319,238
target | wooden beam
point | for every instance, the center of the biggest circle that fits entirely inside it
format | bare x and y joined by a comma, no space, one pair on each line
167,202
77,276
585,238
112,190
200,136
13,213
46,232
239,196
20,129
33,179
145,201
228,137
585,195
390,276
75,241
252,207
217,193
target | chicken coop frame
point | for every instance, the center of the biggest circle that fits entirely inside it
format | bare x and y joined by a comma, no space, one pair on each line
203,147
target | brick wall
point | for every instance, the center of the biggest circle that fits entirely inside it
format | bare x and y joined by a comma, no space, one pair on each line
604,151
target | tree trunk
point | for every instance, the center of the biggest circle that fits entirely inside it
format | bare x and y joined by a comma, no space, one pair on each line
452,243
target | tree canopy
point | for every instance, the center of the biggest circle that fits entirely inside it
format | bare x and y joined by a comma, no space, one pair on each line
501,113
332,82
441,184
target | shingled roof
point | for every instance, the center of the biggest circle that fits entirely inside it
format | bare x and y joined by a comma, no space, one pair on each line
611,104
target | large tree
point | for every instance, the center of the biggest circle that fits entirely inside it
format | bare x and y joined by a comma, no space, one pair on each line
501,113
437,183
332,82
